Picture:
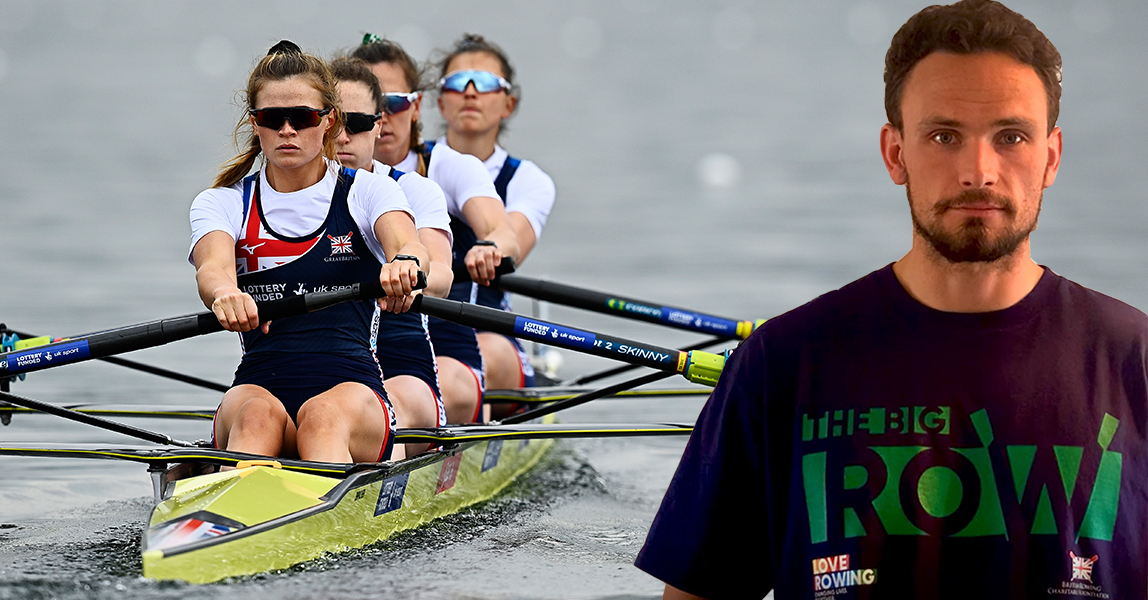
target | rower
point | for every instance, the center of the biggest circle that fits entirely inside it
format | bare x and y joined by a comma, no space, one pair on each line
471,199
307,386
403,347
477,94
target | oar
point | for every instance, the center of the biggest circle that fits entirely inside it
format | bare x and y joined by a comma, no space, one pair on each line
697,366
482,433
591,377
125,410
71,415
164,331
30,340
620,306
541,411
542,395
448,435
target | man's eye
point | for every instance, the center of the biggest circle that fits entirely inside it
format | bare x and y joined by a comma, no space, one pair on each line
944,137
1012,138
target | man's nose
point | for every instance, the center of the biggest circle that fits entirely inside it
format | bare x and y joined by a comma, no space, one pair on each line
979,164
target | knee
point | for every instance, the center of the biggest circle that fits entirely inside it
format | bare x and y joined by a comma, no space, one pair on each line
319,412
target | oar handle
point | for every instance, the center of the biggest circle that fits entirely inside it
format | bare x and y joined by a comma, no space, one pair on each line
164,331
697,366
505,267
620,306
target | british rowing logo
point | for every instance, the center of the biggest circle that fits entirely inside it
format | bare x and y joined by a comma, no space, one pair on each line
341,244
1082,567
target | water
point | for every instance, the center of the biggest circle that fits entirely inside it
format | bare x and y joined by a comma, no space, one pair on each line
117,114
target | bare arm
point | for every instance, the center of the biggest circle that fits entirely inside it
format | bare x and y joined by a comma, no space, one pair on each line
214,257
673,593
488,218
525,234
396,231
439,274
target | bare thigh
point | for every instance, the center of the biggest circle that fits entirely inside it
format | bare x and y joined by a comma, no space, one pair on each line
346,423
251,420
500,361
415,406
460,392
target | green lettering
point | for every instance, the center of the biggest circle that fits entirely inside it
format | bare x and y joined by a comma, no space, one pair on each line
888,502
939,491
1020,461
1043,523
1068,461
1099,521
813,477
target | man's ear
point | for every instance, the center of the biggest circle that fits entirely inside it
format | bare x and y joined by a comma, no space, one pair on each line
1055,145
892,145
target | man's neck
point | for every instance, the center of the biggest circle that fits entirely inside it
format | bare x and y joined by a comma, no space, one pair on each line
481,145
966,287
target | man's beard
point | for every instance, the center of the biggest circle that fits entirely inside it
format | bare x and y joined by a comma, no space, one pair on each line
971,242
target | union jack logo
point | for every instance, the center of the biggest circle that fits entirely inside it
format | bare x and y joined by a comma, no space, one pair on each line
341,244
1082,567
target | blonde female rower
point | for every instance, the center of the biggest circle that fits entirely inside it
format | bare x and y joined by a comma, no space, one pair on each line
307,386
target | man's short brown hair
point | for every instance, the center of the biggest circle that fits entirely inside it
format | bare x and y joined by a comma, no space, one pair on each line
969,27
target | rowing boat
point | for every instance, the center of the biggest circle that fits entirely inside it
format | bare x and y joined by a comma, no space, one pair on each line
257,514
261,517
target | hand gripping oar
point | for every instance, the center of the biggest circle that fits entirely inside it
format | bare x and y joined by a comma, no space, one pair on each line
164,331
697,366
629,308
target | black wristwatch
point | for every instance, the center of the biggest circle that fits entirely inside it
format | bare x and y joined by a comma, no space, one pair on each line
485,243
407,257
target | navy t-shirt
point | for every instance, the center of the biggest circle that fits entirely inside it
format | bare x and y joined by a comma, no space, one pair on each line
867,446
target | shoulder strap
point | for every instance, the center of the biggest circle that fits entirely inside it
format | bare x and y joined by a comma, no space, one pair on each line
424,158
395,174
343,184
505,175
247,181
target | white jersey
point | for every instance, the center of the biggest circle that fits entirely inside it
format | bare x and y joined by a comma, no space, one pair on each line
461,176
426,198
299,213
530,192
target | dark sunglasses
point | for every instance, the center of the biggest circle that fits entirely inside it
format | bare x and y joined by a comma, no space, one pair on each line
301,117
395,102
484,82
359,122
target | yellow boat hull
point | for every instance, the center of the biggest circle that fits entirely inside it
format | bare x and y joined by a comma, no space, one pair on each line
260,518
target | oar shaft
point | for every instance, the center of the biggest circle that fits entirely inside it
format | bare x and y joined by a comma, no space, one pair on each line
164,331
699,367
86,419
554,407
138,366
621,306
591,377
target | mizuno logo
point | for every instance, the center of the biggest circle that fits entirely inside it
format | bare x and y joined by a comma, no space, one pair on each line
249,248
